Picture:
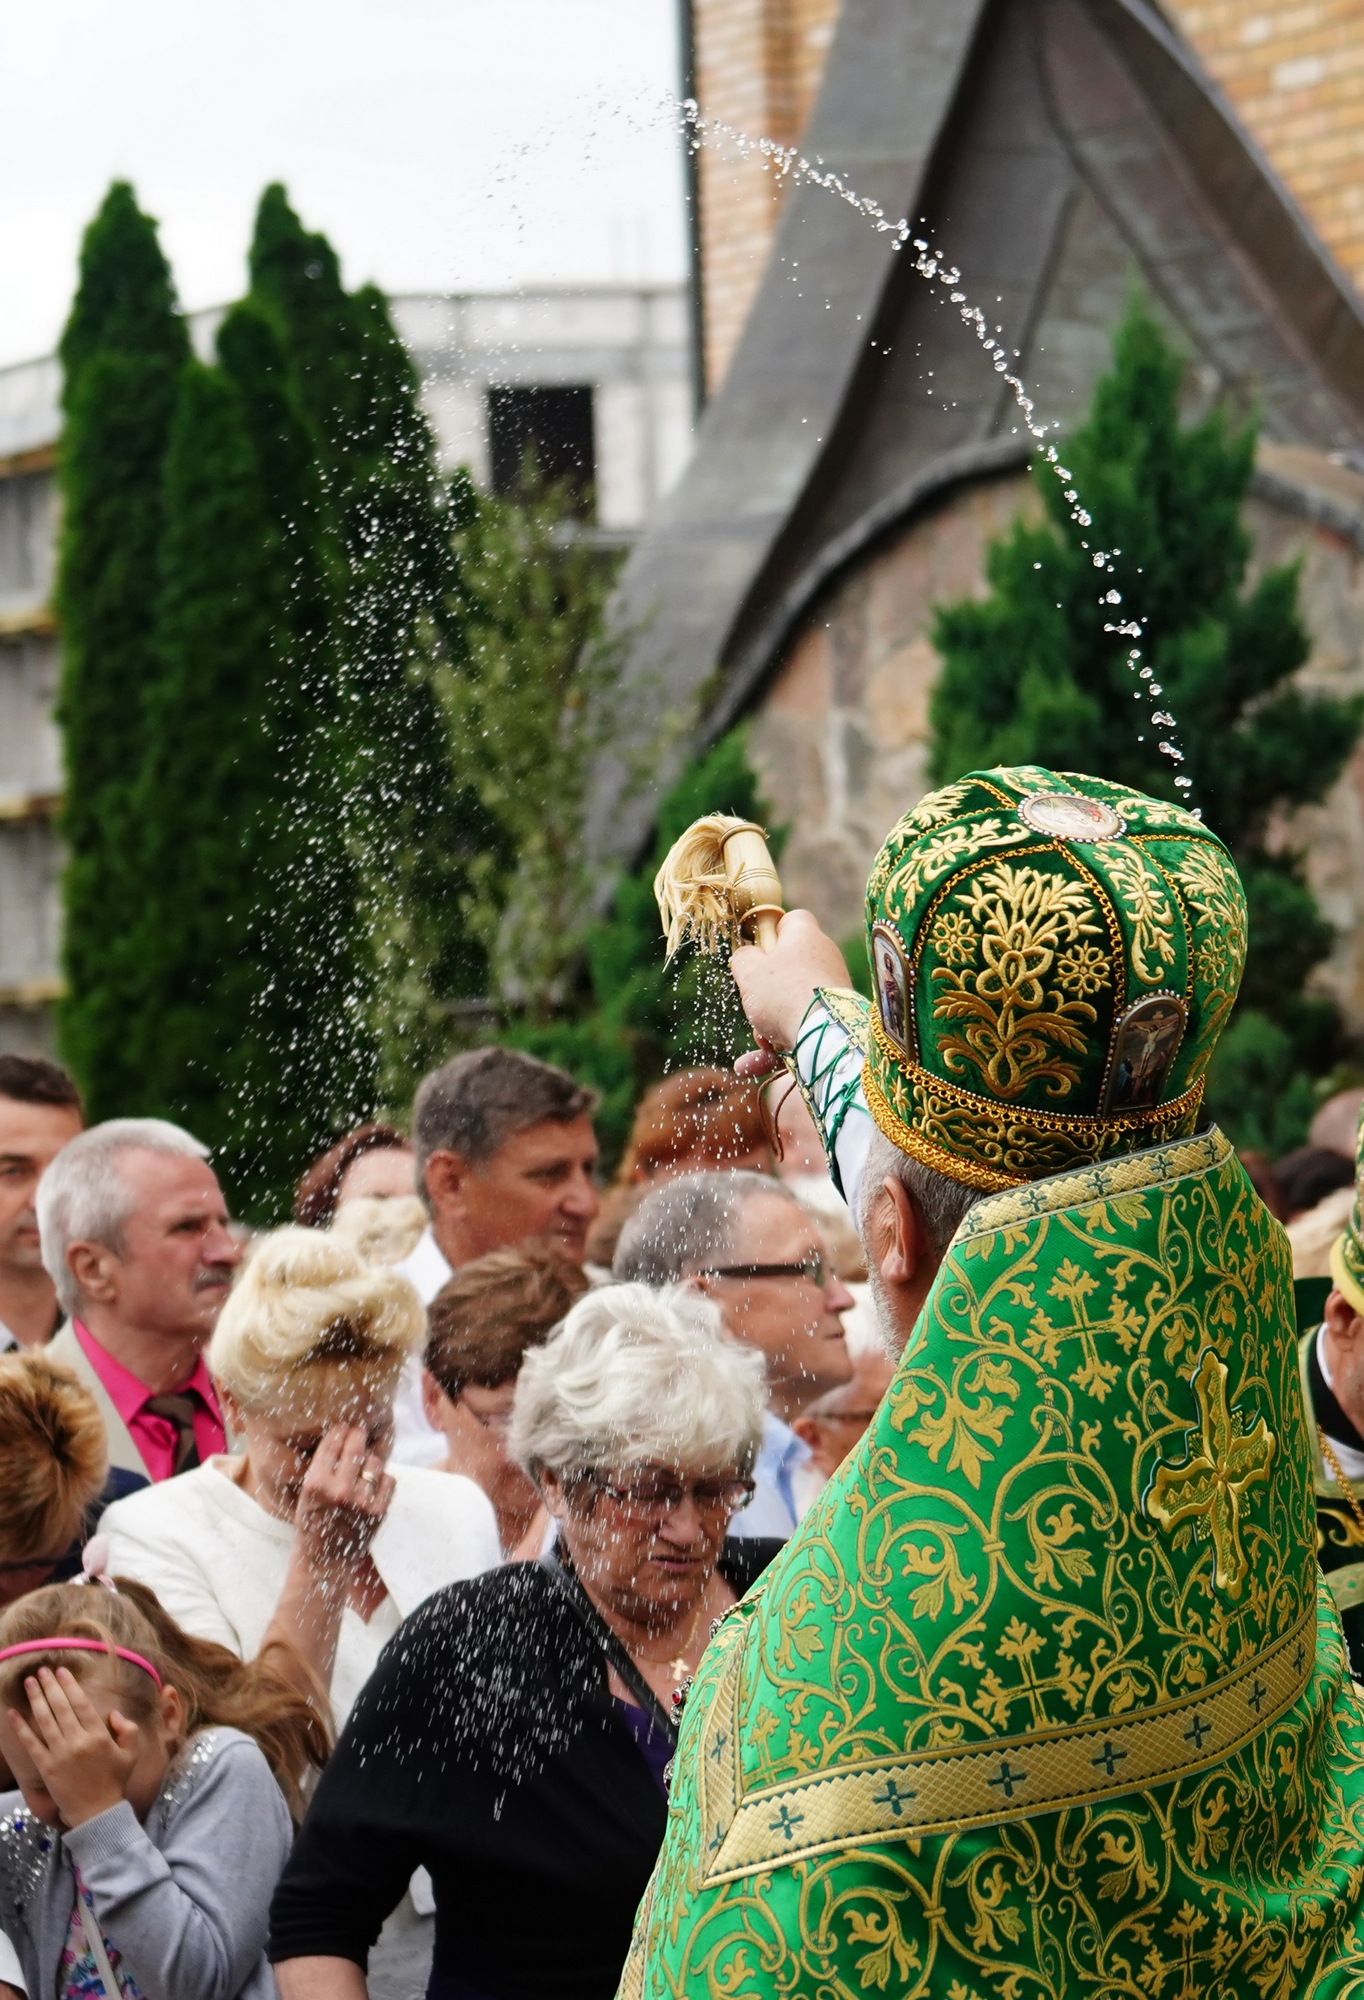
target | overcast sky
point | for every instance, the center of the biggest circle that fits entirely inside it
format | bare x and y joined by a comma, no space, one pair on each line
440,143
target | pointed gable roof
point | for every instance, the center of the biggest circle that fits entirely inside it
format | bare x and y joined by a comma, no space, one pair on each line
1057,151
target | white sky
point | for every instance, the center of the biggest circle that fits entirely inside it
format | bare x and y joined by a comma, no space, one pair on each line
441,144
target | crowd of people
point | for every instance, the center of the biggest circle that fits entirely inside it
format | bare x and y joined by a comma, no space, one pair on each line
353,1572
548,1430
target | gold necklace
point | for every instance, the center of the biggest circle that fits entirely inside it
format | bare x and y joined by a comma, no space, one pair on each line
1329,1454
677,1667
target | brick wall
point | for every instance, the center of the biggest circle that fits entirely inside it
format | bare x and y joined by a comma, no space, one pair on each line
1295,74
758,66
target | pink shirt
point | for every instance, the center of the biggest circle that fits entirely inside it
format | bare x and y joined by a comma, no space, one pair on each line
155,1436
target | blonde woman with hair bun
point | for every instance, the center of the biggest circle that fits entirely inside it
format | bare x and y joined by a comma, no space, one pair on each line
304,1535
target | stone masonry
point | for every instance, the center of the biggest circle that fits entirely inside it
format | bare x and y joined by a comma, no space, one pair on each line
1294,72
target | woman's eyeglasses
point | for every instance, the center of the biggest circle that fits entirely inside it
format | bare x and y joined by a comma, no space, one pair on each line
811,1267
654,1494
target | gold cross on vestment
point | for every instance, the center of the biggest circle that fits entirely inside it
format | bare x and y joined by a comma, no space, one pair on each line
1209,1487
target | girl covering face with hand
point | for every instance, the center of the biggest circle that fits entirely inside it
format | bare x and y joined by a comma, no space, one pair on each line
138,1856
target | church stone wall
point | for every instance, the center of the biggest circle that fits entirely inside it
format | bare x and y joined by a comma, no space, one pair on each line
840,738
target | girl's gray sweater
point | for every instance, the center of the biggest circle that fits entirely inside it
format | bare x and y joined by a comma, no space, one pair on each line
184,1897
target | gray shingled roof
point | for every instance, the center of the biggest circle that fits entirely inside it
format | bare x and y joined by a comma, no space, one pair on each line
1058,151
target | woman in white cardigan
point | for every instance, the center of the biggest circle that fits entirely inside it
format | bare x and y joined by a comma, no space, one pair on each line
303,1535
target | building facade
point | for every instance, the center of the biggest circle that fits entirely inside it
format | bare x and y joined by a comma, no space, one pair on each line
596,382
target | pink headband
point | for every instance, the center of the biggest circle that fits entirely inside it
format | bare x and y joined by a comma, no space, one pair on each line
80,1646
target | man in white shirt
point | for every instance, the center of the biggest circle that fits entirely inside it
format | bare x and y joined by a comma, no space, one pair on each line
745,1241
505,1150
40,1110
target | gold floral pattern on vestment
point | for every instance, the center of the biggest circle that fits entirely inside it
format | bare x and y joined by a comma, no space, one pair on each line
958,1743
1017,1777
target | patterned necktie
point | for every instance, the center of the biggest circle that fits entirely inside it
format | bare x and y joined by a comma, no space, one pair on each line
180,1410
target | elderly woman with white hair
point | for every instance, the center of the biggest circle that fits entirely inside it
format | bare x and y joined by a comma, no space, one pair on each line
514,1739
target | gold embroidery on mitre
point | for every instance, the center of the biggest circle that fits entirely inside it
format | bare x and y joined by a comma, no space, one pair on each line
1140,890
1017,1022
1208,1488
994,1146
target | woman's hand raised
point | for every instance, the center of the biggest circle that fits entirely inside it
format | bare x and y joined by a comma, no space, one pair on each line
341,1504
343,1499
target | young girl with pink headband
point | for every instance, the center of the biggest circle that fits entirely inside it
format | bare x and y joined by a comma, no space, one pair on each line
140,1851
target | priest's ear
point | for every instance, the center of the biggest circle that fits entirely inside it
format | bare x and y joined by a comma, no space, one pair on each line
1343,1322
900,1254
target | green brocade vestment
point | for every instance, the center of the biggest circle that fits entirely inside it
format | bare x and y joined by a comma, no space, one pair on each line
1045,1697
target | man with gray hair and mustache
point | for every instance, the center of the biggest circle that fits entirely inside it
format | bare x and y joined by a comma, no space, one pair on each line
135,1237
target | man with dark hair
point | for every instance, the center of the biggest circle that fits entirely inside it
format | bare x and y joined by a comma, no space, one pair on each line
505,1150
40,1110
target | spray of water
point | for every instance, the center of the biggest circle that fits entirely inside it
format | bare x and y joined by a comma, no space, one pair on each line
788,163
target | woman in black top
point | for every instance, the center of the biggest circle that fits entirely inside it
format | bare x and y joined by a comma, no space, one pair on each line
514,1736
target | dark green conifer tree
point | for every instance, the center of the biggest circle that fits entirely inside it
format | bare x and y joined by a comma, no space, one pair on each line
382,529
1037,672
121,353
206,789
311,1029
405,625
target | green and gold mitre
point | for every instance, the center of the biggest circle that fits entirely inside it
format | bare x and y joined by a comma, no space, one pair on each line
1347,1254
1043,1698
1053,959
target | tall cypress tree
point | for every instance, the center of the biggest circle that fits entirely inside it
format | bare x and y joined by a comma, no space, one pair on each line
207,779
383,528
1037,672
311,1028
122,352
405,623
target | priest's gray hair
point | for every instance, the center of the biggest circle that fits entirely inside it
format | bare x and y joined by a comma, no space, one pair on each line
943,1203
636,1376
84,1196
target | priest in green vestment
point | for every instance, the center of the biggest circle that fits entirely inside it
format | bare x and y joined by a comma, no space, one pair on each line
1046,1696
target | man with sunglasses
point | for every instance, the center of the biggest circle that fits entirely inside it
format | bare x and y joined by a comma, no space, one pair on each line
745,1241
